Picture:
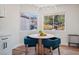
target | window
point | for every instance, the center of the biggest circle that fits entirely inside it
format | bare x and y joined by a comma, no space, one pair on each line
28,21
54,22
33,23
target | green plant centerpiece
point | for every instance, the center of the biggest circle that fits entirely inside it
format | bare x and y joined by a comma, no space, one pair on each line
42,33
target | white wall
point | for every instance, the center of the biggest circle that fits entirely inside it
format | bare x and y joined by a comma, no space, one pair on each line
27,8
71,20
10,25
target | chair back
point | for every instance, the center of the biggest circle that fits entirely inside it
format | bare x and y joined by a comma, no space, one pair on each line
30,41
52,42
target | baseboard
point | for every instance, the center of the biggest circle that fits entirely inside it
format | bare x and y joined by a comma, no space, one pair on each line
64,45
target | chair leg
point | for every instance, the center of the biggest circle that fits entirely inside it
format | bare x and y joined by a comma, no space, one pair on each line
26,49
44,50
36,49
51,50
58,50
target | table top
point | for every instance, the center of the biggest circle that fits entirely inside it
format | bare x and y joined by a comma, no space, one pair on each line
41,37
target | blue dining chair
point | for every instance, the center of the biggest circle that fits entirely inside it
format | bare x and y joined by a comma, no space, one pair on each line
30,42
52,44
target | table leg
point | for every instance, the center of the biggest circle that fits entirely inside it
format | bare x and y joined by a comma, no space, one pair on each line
40,47
36,49
42,50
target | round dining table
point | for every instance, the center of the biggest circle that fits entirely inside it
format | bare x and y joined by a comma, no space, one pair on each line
40,38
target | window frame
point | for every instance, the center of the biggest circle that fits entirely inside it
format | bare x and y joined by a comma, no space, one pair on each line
53,20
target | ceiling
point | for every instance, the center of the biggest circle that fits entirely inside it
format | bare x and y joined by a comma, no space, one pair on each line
44,5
